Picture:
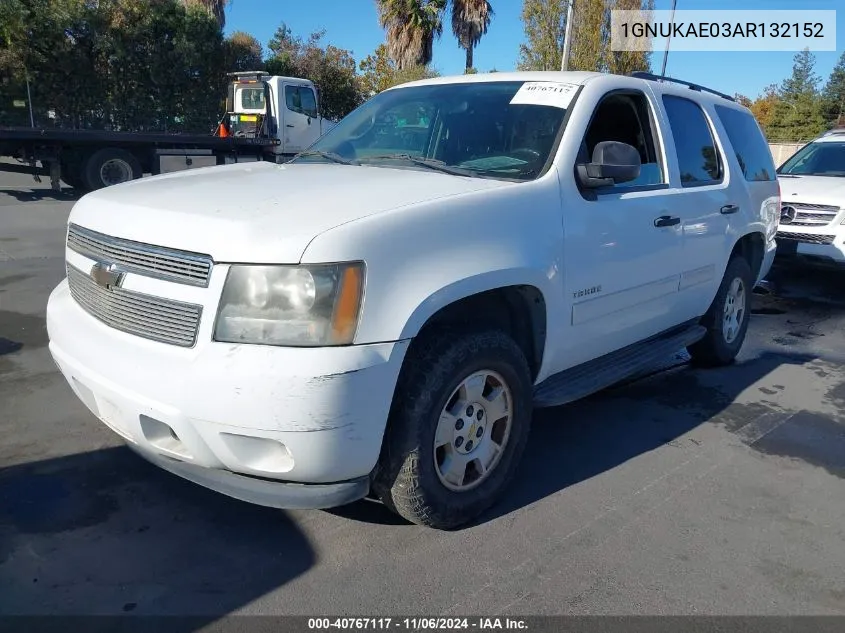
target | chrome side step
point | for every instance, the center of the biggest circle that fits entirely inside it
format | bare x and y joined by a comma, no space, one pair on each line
595,375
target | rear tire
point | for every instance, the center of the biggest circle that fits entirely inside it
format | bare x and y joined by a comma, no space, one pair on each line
110,166
727,319
457,429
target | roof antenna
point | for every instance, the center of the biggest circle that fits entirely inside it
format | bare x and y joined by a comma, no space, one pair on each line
669,39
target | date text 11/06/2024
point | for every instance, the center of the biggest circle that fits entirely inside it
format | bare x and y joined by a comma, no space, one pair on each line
416,624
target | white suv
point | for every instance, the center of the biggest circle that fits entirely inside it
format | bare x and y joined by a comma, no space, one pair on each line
812,218
382,314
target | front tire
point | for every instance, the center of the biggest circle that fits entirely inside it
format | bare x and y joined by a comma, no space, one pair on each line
457,429
727,319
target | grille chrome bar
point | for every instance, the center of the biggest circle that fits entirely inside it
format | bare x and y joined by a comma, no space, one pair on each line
183,267
811,214
809,238
153,318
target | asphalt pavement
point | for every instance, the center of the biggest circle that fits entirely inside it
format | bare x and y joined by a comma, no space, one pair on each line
688,492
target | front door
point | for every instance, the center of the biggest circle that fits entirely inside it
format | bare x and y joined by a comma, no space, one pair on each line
622,246
301,122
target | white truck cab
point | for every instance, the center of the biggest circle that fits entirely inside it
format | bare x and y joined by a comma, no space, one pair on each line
383,313
289,105
812,218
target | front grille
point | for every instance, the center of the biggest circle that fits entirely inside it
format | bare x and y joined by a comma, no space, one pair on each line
805,214
144,259
809,238
154,318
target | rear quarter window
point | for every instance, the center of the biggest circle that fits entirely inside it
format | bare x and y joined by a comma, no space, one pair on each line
752,151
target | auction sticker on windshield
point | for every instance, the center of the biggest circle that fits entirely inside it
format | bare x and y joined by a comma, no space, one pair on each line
547,93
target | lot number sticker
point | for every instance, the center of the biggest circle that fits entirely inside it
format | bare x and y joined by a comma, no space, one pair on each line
547,93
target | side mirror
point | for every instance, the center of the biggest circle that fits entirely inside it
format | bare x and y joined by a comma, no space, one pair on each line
612,163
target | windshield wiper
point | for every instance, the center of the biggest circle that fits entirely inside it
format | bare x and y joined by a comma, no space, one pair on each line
431,163
332,156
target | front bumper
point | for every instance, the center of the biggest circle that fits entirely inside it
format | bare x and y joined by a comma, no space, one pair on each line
804,243
247,420
273,494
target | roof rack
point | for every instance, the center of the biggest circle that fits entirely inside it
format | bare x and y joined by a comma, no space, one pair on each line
691,86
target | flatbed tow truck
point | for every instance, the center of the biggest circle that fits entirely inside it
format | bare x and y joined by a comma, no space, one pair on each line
267,118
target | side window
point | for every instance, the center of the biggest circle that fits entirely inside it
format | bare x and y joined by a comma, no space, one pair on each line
698,158
302,100
626,118
752,152
308,102
293,99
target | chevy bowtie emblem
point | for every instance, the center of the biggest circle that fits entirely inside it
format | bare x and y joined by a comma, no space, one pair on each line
106,275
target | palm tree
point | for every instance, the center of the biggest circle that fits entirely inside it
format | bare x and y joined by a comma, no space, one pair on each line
216,8
412,26
470,19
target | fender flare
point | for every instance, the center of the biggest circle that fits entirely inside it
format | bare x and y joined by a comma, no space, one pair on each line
473,285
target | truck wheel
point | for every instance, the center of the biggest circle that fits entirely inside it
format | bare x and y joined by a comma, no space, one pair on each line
727,319
457,428
110,166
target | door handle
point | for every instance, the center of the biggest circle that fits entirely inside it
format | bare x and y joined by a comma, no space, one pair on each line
666,220
289,125
729,208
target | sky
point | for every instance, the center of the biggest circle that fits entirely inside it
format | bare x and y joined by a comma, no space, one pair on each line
353,25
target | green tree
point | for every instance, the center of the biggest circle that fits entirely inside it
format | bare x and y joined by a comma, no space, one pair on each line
798,114
117,64
411,27
763,107
332,69
243,52
215,8
589,36
743,100
625,62
545,28
470,21
834,95
379,72
544,22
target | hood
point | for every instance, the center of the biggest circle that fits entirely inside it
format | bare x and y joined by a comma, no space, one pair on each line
258,212
829,190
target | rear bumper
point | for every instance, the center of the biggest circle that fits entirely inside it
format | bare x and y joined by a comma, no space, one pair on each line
273,494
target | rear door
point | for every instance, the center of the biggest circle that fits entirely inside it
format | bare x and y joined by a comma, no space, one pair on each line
752,161
301,124
702,196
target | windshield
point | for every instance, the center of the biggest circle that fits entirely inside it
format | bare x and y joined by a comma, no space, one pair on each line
817,159
469,129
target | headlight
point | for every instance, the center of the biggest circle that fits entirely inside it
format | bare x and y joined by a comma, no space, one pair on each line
296,306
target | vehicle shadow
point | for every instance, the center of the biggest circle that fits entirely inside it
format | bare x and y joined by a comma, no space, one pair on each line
576,442
573,443
105,533
42,194
794,279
